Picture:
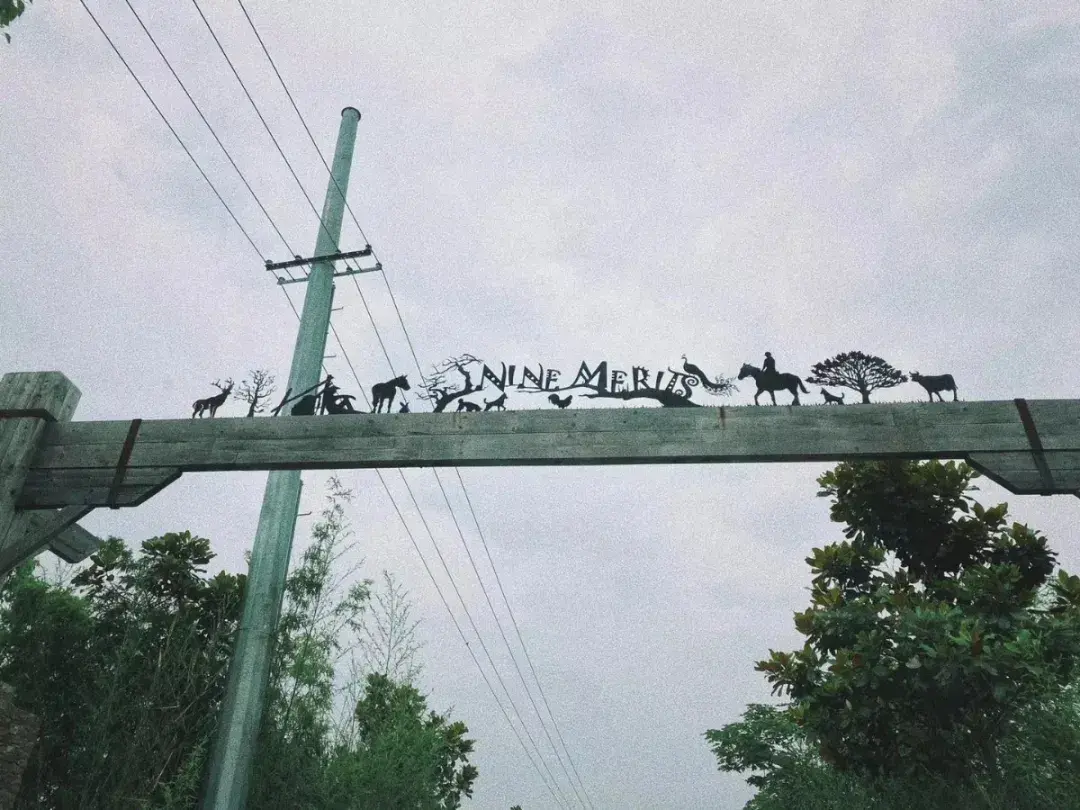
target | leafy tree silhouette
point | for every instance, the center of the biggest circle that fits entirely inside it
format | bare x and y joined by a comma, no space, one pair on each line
858,371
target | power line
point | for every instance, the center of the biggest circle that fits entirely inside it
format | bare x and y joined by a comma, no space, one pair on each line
476,630
416,360
179,140
266,126
194,104
502,633
288,164
558,799
528,658
173,131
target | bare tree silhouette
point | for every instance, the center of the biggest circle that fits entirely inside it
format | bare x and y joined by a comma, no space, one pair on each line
256,390
439,391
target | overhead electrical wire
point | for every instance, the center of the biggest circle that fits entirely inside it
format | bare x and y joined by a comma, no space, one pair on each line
502,633
341,345
173,131
266,126
517,630
183,145
416,360
416,546
194,104
323,226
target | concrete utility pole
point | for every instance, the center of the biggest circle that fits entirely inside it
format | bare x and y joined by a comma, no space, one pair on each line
238,729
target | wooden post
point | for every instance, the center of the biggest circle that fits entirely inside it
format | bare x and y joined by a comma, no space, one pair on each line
28,401
237,735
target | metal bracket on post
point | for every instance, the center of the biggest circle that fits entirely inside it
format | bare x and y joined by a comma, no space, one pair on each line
121,464
1037,452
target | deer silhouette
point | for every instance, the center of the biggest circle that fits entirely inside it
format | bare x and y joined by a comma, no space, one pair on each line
211,404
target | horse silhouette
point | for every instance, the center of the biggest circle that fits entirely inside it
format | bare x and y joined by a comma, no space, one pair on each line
773,382
383,393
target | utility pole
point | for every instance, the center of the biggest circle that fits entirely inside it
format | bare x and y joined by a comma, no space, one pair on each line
241,715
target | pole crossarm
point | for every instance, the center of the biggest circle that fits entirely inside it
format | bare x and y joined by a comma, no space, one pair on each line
76,462
330,257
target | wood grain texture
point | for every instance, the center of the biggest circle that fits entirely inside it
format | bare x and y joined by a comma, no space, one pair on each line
49,392
76,461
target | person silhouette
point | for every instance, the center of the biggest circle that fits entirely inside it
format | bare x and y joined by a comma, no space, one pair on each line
329,394
769,366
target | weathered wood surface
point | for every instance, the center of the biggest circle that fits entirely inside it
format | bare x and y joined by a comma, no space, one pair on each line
37,396
76,462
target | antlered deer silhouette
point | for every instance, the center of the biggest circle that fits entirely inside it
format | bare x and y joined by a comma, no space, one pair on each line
211,404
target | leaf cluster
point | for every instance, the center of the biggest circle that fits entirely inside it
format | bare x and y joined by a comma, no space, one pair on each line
939,648
125,668
10,10
924,637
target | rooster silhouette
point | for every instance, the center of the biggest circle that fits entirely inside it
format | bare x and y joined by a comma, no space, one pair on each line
560,403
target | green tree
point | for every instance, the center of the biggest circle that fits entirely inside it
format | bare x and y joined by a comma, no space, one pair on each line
935,633
407,756
125,668
857,371
298,735
10,10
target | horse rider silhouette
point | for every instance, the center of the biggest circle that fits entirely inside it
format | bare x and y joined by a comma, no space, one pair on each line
769,366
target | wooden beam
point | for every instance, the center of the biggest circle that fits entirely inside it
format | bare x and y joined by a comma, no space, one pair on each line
56,531
29,401
73,543
77,461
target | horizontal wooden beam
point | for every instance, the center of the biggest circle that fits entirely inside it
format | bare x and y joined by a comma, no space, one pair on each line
77,461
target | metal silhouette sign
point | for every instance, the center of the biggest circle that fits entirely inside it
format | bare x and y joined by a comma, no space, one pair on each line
457,378
467,384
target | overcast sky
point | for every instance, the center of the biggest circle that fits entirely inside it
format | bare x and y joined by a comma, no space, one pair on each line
552,183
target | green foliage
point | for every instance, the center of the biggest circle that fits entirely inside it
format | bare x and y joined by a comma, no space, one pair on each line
1036,769
407,757
767,741
390,752
296,737
858,371
126,669
9,11
934,638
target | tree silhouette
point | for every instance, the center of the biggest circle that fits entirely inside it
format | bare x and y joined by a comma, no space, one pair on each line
439,391
256,390
859,372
